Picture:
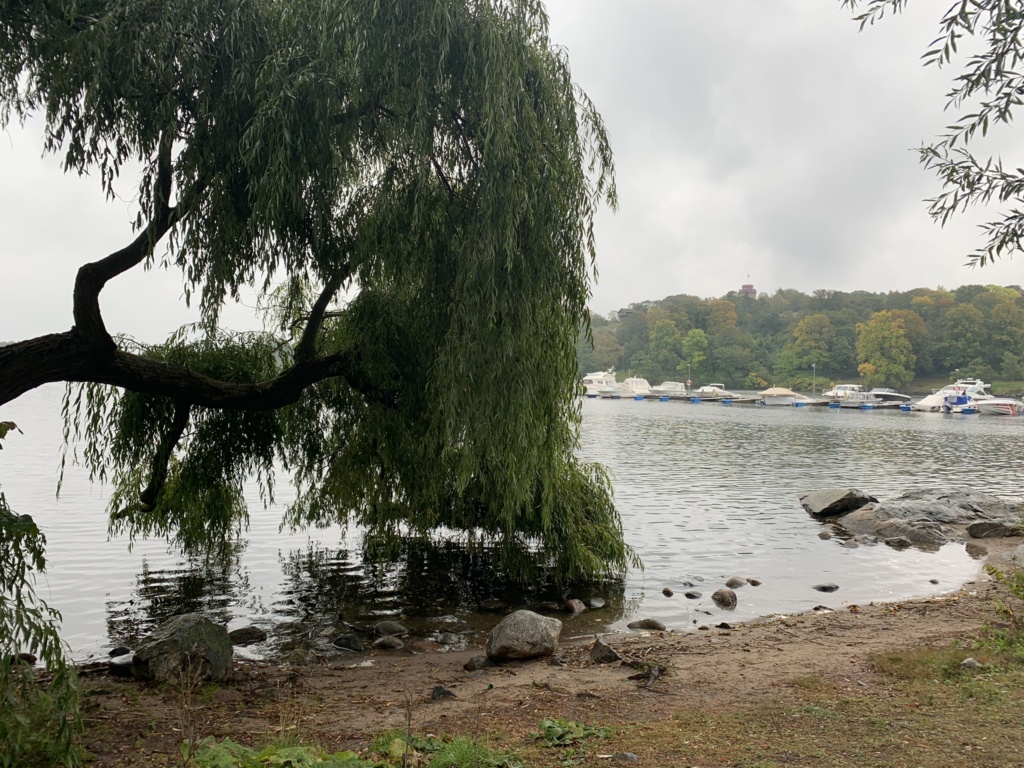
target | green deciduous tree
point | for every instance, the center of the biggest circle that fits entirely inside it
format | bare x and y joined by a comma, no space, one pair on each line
985,93
885,354
814,338
695,352
434,158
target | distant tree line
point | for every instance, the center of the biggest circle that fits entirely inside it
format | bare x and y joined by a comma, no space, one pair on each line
790,338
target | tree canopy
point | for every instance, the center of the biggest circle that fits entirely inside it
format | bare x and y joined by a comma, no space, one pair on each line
431,161
790,338
985,93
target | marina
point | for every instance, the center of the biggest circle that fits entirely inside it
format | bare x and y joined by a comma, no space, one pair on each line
963,397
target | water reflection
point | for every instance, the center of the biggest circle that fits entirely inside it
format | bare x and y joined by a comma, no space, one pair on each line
431,586
211,585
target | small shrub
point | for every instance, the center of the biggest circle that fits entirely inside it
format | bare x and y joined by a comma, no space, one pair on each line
566,733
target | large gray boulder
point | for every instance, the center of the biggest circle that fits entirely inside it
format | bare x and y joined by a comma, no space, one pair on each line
523,635
186,648
929,518
832,502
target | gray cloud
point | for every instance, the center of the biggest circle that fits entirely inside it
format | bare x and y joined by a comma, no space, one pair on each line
751,138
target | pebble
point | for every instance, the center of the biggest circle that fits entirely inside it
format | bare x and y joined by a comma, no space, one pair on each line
826,587
735,582
667,592
693,595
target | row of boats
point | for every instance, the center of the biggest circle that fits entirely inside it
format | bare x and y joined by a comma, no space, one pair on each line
967,396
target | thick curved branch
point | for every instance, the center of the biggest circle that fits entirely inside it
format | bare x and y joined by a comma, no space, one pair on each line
152,377
164,451
94,276
306,347
67,357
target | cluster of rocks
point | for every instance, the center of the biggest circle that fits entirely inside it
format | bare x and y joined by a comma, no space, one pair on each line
926,519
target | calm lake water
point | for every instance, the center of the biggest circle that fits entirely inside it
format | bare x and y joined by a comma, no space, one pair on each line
706,492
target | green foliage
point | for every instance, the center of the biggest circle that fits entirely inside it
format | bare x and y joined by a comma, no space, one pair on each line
210,753
39,716
887,359
452,188
566,733
398,748
778,337
1009,636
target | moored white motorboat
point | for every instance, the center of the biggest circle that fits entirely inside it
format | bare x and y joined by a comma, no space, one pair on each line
842,391
865,401
1001,406
783,396
595,382
951,397
669,389
889,395
632,387
713,392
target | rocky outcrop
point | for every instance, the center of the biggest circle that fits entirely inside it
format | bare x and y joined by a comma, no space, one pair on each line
523,635
832,502
188,647
930,518
925,519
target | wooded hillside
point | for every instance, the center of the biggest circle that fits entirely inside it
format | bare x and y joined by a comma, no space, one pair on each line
789,338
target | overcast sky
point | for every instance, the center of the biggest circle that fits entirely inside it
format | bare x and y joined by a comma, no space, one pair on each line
763,139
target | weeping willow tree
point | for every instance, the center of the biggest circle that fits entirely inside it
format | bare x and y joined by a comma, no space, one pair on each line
409,187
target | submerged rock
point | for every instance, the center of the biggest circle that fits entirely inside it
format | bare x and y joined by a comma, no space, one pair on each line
574,606
247,635
387,628
929,518
647,624
388,643
724,598
832,502
349,642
